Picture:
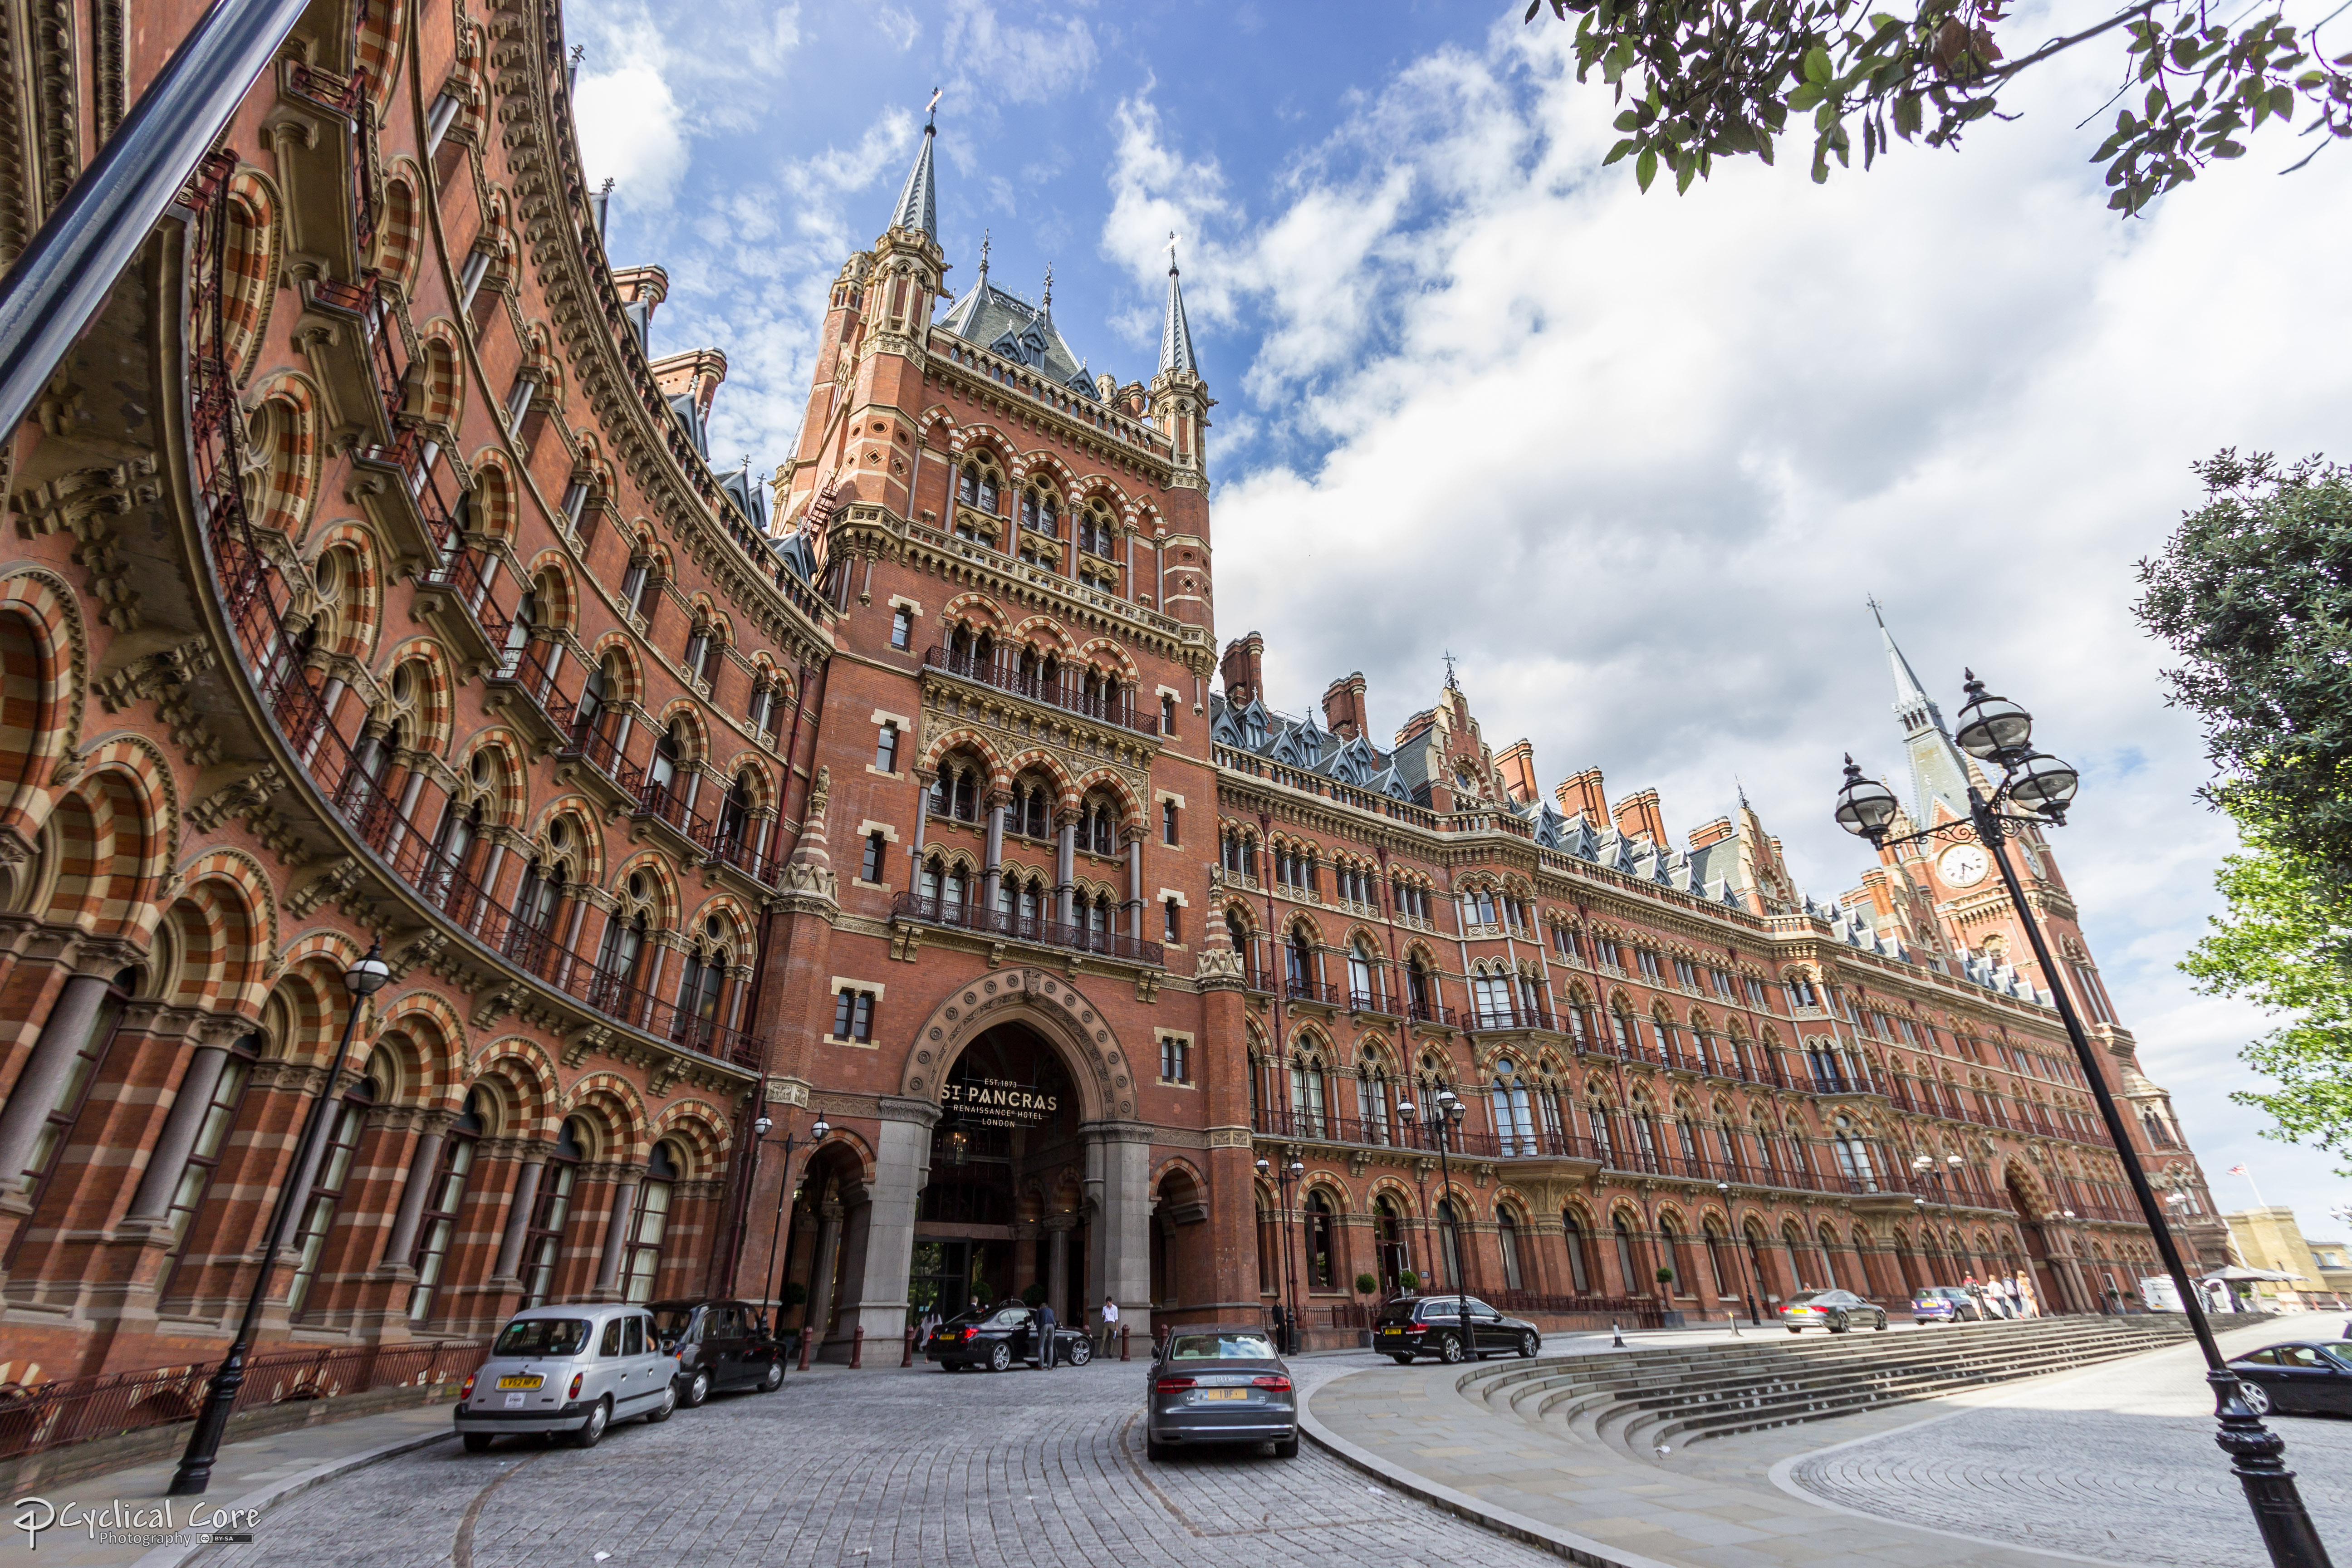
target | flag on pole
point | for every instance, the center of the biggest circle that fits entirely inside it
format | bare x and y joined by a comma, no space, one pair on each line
2237,1170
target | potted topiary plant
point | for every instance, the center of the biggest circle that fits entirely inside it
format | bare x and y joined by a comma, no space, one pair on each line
1408,1283
1367,1285
1668,1316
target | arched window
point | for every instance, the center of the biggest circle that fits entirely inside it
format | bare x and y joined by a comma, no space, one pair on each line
649,1223
1671,1237
1307,1101
1491,994
1507,1238
1362,989
325,1194
1580,1273
1514,1125
1322,1262
223,1100
667,752
735,812
1449,1237
1629,1269
1715,1248
1372,1094
1420,991
1299,954
1388,1237
551,1206
442,1200
1854,1157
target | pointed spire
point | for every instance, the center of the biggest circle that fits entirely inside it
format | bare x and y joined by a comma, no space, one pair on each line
1046,308
1939,771
918,203
1175,334
983,259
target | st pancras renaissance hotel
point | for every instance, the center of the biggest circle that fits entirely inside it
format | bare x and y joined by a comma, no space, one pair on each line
850,889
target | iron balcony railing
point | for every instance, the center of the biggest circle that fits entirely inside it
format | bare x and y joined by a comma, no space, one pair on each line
1063,689
1026,928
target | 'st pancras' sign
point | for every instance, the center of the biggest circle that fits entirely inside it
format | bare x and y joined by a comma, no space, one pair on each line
997,1102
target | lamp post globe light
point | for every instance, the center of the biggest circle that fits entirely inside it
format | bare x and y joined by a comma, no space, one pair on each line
362,979
2036,791
1443,1116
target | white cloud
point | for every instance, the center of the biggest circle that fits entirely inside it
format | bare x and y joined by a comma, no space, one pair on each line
1638,459
631,132
1016,64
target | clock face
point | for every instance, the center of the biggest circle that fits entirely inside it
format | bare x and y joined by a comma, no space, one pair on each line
1963,865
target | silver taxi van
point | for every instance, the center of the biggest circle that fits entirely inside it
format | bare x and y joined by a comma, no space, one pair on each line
570,1372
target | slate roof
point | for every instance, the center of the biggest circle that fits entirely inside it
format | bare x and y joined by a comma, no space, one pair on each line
1004,324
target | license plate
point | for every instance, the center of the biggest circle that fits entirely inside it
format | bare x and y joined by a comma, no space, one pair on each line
1392,1333
520,1382
1224,1393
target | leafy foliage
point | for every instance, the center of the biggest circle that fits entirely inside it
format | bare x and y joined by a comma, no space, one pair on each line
2256,592
1705,79
2281,944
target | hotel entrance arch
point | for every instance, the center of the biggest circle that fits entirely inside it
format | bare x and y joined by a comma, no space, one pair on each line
1016,1022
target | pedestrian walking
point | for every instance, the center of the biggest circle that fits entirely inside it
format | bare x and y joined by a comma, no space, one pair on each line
2008,1298
1111,1323
1045,1333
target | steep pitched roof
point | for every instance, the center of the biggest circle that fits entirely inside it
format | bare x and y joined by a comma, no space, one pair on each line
918,203
1175,333
1004,324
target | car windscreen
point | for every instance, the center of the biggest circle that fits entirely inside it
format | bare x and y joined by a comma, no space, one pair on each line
2340,1349
542,1337
1010,1317
670,1323
1220,1347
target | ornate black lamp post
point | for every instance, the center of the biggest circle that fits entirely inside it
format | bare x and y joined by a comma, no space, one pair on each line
1285,1176
817,1130
2038,786
362,980
1755,1299
1440,1120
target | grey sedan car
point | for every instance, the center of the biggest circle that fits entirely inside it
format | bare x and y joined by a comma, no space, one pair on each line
1220,1385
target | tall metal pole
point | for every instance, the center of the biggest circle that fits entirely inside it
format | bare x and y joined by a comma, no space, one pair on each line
195,1470
1461,1274
63,276
2257,1452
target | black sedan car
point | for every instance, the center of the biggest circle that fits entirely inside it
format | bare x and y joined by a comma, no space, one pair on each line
999,1336
1836,1311
1452,1328
2310,1379
718,1346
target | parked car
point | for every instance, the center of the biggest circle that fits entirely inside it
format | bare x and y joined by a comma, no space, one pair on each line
1219,1386
1413,1326
720,1345
1836,1311
1945,1304
2313,1378
569,1371
998,1336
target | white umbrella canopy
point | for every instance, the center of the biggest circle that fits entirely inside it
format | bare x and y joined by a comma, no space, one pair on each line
2236,1273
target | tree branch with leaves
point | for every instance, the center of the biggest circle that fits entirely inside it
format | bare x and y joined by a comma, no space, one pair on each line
1705,79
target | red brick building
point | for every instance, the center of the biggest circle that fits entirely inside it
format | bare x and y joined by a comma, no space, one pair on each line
371,585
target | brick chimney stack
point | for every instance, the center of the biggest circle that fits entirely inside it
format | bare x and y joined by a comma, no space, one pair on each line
1581,793
1638,816
1516,767
1344,711
1244,669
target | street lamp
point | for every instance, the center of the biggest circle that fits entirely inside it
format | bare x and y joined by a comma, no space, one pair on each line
1998,732
362,980
1755,1302
817,1130
1284,1177
1440,1118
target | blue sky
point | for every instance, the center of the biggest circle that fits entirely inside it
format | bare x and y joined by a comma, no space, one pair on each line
1636,459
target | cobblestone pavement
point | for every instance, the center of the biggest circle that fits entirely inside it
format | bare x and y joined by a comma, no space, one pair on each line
2119,1464
872,1468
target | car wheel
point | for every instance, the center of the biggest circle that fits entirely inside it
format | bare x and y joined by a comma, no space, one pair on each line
2257,1397
1287,1448
1449,1349
1837,1323
774,1378
478,1442
1881,1322
1400,1360
1000,1357
1529,1343
1155,1450
1081,1353
592,1431
665,1409
697,1388
1796,1331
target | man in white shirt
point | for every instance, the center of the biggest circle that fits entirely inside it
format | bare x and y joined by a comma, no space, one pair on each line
1109,1323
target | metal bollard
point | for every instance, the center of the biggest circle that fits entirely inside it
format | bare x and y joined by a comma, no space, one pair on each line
1123,1333
857,1348
908,1358
1734,1317
808,1343
1616,1336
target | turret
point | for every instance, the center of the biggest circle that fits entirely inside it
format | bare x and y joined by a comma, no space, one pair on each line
1179,397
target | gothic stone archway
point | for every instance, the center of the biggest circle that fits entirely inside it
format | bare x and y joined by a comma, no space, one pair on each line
1056,1009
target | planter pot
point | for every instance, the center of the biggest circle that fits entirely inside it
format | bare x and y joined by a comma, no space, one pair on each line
1670,1319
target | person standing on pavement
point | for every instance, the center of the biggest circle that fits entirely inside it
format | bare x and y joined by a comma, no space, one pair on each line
1109,1323
1046,1336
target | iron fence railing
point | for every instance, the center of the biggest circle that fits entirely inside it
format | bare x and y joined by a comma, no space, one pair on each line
1028,928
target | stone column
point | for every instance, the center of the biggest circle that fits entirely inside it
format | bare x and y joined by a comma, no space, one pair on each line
1065,868
35,1093
922,827
1135,887
1057,1261
817,1317
1121,1153
902,1164
424,1169
997,803
526,1194
156,1185
616,1237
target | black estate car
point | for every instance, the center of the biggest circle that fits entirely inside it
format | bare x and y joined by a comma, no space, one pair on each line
998,1336
1413,1326
718,1346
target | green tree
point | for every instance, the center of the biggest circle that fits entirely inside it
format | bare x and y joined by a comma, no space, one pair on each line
1703,80
2254,592
2281,943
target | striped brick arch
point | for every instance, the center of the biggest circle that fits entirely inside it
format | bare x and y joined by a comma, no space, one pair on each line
249,268
612,1107
527,1086
42,662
